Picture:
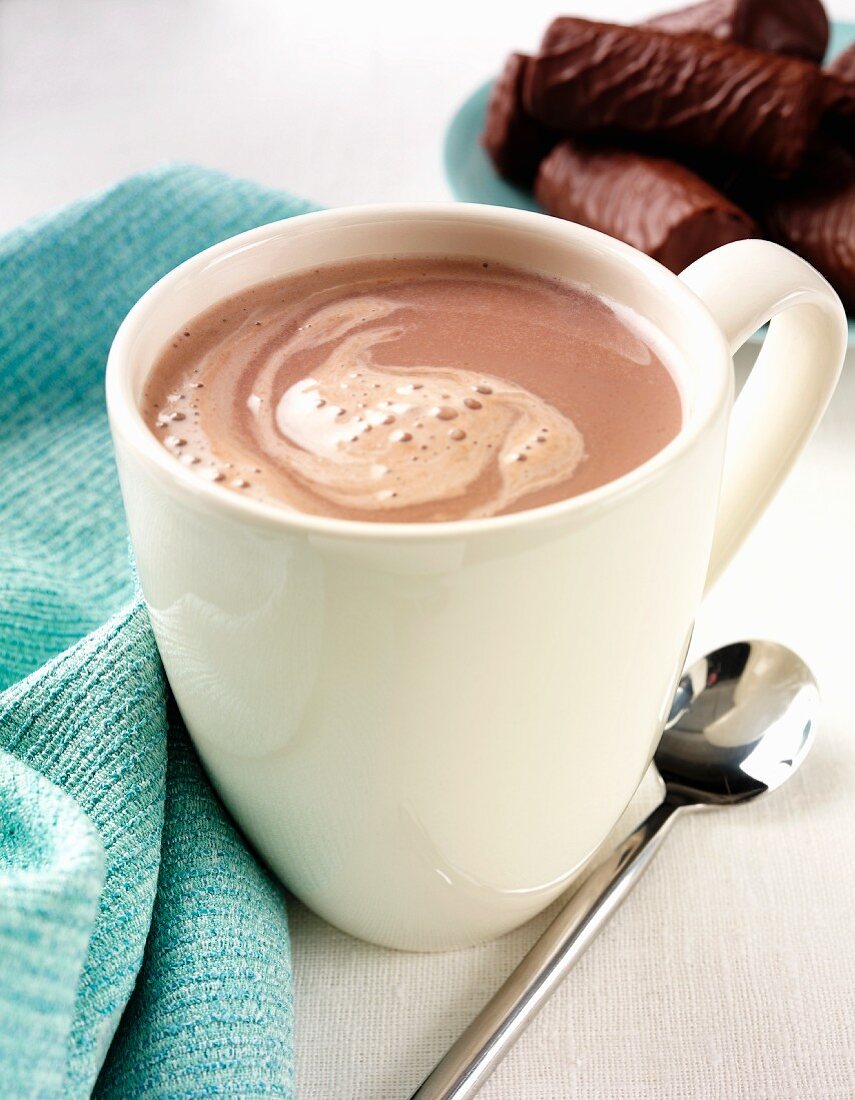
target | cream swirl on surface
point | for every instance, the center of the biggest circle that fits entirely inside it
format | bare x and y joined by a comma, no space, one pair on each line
388,437
411,390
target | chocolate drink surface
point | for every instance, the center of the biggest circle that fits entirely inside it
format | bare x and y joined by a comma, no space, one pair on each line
413,389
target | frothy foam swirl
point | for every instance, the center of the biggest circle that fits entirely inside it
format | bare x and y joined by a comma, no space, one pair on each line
366,436
411,389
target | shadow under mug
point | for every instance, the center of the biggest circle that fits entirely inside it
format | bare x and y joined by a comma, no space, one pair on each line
427,729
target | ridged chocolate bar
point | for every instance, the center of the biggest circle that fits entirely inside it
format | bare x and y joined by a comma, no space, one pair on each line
815,217
795,27
840,108
514,141
843,66
652,203
683,91
839,80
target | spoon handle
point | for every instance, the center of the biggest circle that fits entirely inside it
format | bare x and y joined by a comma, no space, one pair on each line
498,1025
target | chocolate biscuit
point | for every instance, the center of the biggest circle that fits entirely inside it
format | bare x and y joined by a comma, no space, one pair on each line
843,66
839,87
682,91
652,203
815,217
795,27
514,141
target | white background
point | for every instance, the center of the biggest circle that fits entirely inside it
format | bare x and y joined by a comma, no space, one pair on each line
342,102
730,973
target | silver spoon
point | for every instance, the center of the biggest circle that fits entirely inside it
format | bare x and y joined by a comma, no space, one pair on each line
742,721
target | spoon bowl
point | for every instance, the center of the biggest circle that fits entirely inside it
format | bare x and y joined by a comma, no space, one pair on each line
742,721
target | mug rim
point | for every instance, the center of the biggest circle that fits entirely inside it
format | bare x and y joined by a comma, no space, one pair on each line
127,423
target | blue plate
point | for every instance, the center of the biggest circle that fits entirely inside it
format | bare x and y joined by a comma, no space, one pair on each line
471,175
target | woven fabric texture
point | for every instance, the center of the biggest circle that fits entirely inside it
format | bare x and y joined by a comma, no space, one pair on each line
143,951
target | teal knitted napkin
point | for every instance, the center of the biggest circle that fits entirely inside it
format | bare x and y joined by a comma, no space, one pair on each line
143,951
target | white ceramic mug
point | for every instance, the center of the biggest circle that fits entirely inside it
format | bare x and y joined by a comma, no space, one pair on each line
427,729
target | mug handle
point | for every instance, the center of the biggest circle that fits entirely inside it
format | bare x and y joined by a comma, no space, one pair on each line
743,285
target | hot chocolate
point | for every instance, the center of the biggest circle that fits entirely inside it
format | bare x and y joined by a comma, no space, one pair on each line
413,389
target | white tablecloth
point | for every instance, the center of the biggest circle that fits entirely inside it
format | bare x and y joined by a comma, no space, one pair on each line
731,971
